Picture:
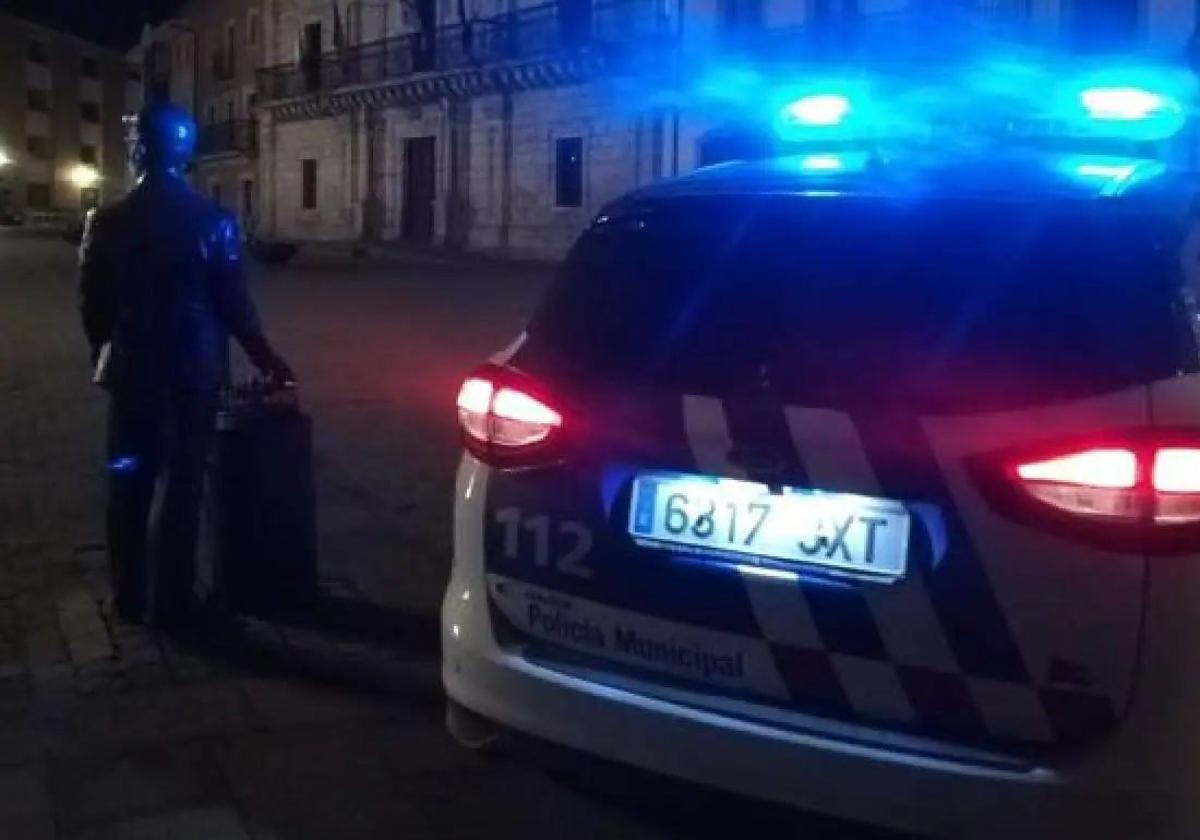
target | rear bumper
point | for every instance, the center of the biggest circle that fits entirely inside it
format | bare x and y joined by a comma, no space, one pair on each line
889,787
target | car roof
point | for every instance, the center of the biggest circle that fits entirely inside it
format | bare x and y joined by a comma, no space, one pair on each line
1024,175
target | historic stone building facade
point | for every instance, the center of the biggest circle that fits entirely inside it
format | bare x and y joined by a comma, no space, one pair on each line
206,60
509,130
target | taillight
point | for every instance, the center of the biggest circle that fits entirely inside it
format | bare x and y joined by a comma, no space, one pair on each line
504,416
1146,480
1176,482
1093,482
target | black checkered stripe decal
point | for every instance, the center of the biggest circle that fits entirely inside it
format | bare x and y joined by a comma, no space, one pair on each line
934,653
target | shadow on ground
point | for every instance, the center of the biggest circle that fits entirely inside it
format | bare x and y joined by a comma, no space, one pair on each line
381,651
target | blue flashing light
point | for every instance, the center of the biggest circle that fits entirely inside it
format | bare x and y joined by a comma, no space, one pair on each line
827,163
1113,174
1143,103
821,109
1124,103
123,464
823,163
1013,96
1106,171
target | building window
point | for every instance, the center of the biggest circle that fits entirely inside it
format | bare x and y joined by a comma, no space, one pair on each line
310,57
308,192
740,15
252,28
89,154
89,197
38,147
37,100
568,172
247,202
90,68
37,53
89,112
37,195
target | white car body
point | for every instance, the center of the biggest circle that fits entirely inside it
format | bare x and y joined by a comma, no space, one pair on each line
1140,782
1023,665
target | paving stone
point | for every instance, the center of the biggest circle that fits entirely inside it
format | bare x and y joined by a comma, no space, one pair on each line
321,782
98,790
204,824
281,704
114,721
84,631
20,743
25,806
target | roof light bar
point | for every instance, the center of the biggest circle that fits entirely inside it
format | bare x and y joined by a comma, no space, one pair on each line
1125,104
820,109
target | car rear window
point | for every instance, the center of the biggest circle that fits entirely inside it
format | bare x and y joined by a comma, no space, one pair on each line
954,306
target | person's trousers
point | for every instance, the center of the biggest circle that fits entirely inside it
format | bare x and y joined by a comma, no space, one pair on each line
157,457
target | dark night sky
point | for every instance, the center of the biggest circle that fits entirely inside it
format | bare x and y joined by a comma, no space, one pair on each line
115,23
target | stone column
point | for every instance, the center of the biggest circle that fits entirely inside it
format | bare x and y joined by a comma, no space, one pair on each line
267,156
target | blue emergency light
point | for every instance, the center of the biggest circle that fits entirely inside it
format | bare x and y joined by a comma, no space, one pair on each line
819,109
1136,104
1113,174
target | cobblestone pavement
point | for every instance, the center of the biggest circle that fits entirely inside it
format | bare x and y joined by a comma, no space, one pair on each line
327,730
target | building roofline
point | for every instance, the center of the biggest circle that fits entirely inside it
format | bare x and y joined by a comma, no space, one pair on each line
50,32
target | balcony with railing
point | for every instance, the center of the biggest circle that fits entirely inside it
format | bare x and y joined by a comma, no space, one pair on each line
833,31
607,27
234,137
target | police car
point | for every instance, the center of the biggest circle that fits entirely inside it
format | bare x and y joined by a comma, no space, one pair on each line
863,480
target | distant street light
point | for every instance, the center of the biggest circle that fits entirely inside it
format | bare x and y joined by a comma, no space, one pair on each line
5,160
84,176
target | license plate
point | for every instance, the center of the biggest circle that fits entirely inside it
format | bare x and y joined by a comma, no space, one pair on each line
837,532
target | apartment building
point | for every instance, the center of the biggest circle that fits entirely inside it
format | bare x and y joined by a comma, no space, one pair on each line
61,104
505,125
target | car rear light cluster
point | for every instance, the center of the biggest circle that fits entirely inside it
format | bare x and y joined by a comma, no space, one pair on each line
1142,483
503,416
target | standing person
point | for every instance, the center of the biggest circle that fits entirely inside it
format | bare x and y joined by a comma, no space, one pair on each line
162,287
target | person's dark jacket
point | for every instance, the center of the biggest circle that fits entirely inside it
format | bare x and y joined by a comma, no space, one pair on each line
161,279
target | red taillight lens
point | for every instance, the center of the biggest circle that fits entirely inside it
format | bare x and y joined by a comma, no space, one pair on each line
519,419
1176,481
1113,468
502,416
1093,482
1177,470
474,403
1144,482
